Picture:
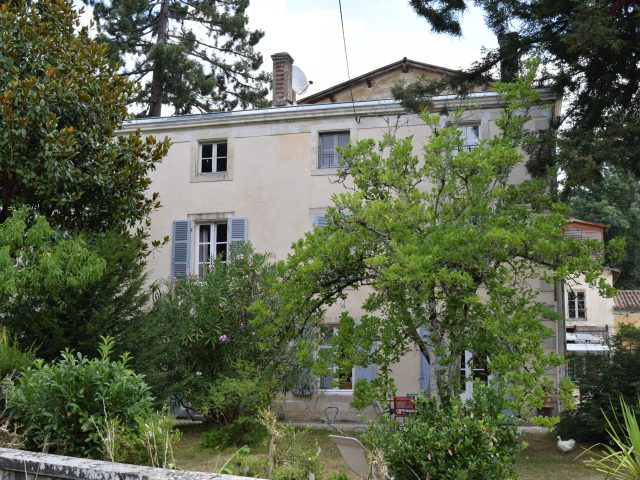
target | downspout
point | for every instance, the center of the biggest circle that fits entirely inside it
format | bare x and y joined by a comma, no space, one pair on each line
561,334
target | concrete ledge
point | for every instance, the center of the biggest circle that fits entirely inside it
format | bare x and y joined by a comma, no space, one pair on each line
23,465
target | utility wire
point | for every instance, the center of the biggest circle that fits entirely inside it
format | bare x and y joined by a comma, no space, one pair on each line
346,59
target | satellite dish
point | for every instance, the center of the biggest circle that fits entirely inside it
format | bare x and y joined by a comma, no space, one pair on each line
299,82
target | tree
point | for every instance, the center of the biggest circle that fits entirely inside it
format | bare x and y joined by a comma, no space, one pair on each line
61,102
590,55
615,201
447,249
194,54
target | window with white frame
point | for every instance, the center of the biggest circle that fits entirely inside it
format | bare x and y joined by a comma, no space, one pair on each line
470,136
576,305
328,156
213,157
335,379
473,367
211,243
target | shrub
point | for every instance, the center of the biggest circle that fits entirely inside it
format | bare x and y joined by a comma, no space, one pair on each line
452,441
622,460
12,358
603,379
201,345
67,405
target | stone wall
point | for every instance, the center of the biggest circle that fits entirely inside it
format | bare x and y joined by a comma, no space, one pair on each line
22,465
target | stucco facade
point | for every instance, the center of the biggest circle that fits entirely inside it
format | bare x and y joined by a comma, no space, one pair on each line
272,180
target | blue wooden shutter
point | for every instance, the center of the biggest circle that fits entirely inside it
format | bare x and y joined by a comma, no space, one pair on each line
180,243
425,369
366,373
237,233
319,220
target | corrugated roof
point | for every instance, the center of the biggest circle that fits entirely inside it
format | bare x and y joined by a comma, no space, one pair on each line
627,300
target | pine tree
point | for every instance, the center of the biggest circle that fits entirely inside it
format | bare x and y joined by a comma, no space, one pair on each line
190,54
590,53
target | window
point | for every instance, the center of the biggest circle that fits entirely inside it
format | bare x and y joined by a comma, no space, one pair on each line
211,243
213,157
473,367
335,379
576,305
328,157
470,136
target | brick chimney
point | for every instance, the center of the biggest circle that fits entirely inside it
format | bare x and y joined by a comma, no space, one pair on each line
283,94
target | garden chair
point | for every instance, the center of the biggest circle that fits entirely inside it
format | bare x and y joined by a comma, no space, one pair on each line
353,454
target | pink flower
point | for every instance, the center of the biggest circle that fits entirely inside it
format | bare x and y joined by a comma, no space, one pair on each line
198,373
240,257
223,338
212,267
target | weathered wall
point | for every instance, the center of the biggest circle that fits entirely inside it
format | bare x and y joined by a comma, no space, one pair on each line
20,464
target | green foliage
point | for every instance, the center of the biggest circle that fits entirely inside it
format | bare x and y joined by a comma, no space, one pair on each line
454,441
198,55
61,102
615,201
200,342
63,291
65,405
587,50
622,460
603,380
450,253
12,358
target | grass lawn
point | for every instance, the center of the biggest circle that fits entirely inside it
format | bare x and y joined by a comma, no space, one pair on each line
540,460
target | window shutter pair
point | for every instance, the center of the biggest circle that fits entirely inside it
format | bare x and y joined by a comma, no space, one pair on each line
237,234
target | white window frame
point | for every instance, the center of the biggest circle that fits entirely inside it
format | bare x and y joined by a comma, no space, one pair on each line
213,243
468,375
334,154
214,157
334,368
466,129
576,299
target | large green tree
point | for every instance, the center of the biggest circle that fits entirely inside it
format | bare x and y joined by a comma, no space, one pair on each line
448,252
192,55
590,53
614,201
61,102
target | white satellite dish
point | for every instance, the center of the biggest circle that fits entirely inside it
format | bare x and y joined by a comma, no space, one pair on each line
299,81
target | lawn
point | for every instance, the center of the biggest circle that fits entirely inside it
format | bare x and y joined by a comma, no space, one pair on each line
540,460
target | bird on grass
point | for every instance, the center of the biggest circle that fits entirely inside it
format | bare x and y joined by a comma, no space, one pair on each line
565,446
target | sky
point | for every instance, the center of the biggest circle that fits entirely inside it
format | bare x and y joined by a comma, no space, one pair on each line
378,32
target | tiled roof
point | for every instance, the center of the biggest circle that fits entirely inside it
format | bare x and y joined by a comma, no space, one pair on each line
627,300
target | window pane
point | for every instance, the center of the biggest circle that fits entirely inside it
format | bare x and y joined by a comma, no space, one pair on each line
221,251
343,139
221,232
221,164
203,252
207,150
205,234
206,165
221,149
581,308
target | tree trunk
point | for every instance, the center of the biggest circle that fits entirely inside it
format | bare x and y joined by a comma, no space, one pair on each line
157,81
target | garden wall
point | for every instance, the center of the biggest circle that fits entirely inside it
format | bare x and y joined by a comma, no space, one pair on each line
22,465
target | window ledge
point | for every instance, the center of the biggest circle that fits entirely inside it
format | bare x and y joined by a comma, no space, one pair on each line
324,171
335,391
211,177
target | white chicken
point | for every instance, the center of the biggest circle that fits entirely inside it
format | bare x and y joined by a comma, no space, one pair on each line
565,446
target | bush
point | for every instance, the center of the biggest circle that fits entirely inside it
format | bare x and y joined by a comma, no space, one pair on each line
12,358
449,442
603,379
68,405
201,346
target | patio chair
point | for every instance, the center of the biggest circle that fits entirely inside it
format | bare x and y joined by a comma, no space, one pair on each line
353,454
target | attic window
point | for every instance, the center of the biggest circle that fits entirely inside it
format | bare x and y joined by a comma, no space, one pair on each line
213,157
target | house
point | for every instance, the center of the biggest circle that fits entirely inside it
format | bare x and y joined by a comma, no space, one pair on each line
588,315
626,308
266,176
